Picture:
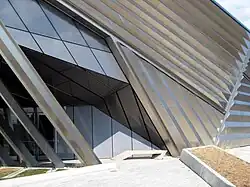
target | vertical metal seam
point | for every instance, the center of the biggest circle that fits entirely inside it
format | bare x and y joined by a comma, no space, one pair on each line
198,117
92,123
144,124
181,110
165,105
152,123
131,131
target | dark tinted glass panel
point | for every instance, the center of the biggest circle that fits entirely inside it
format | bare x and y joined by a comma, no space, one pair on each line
116,110
154,136
33,17
132,112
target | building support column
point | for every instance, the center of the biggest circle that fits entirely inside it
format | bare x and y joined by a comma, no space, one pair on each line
29,127
33,83
16,144
5,158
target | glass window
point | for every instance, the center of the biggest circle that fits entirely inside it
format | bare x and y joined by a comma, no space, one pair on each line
93,39
84,57
64,25
109,64
9,17
132,112
53,48
83,121
102,137
153,134
24,38
33,17
116,110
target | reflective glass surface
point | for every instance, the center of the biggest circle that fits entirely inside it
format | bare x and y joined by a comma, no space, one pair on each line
132,112
93,39
63,25
24,38
109,64
33,17
53,48
9,17
84,57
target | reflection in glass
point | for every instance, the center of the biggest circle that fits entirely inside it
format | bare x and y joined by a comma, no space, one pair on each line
116,110
153,134
84,57
9,17
63,25
24,38
132,112
53,48
33,17
109,64
93,39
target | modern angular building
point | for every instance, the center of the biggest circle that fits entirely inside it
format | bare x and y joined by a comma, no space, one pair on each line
90,79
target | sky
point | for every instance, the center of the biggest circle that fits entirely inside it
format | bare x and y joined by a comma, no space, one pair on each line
240,9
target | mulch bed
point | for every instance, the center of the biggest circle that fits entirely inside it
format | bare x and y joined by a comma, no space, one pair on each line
6,171
234,169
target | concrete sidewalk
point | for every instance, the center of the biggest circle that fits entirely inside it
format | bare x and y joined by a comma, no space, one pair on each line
241,152
143,172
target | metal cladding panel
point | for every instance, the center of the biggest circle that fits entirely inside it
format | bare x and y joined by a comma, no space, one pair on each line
194,42
186,117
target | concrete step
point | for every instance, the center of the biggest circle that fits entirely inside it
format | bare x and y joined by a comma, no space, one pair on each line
140,153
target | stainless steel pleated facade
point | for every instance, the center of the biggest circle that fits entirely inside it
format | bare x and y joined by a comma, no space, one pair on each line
194,42
173,73
188,119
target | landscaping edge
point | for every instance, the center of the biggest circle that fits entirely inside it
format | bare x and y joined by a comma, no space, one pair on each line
203,170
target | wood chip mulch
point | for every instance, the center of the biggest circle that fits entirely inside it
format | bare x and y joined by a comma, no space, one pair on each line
234,169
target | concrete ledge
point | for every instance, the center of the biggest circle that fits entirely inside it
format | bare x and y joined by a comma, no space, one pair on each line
204,171
156,154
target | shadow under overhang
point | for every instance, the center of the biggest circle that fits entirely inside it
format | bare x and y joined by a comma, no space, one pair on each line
70,84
